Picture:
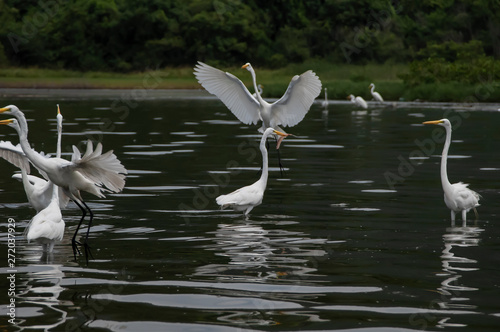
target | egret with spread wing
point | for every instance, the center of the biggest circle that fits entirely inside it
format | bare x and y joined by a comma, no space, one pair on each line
287,111
246,198
457,197
88,173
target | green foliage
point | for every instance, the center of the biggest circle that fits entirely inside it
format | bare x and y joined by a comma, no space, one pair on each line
131,35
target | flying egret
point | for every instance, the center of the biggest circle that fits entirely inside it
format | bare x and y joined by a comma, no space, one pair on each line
457,197
47,226
246,198
38,190
375,94
358,101
325,102
259,88
88,173
289,110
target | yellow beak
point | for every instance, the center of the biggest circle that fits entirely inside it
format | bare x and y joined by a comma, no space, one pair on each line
244,66
6,122
5,109
58,110
433,122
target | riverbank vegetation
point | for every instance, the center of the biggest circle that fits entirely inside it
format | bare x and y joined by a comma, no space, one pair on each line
437,50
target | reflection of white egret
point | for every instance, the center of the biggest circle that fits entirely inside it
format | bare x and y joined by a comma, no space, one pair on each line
87,173
246,198
375,94
289,110
358,101
457,197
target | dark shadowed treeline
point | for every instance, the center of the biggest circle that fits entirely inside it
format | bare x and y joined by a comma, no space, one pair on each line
127,35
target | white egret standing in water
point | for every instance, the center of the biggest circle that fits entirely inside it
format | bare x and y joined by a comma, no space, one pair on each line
325,102
457,197
246,198
47,226
358,101
375,94
289,110
88,173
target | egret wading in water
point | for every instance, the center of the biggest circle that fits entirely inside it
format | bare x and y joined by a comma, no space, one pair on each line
358,101
246,198
375,94
457,197
324,103
287,111
38,191
259,89
88,173
47,226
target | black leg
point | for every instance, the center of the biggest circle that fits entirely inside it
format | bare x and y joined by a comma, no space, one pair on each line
282,169
73,240
85,243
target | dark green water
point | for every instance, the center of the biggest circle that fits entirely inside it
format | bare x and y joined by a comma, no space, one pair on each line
355,235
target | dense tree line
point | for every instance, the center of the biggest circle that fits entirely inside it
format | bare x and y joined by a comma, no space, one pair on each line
126,35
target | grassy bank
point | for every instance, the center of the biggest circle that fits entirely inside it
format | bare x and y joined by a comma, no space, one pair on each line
341,80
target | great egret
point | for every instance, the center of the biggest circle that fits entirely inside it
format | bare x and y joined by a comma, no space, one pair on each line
259,88
457,197
325,102
358,101
38,191
88,173
375,94
289,110
47,226
246,198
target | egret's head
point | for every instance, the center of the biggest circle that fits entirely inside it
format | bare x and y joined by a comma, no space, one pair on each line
9,109
59,118
247,66
350,97
442,122
371,85
10,122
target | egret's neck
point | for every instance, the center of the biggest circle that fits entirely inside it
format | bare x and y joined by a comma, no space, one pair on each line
373,89
444,159
58,152
265,170
257,93
22,131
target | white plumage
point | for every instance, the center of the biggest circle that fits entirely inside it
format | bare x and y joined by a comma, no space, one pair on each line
289,110
88,173
457,197
246,198
375,94
358,101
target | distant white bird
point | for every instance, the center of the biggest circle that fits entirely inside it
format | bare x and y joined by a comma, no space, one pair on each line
358,101
38,191
47,226
289,110
246,198
260,86
375,94
325,102
457,197
88,173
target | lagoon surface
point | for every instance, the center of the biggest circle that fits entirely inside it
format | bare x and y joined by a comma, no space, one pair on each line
353,236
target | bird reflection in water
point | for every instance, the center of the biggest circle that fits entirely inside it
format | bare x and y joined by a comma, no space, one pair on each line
257,254
453,292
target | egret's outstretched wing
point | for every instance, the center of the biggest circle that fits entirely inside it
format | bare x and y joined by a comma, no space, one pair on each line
100,168
298,98
14,154
230,90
